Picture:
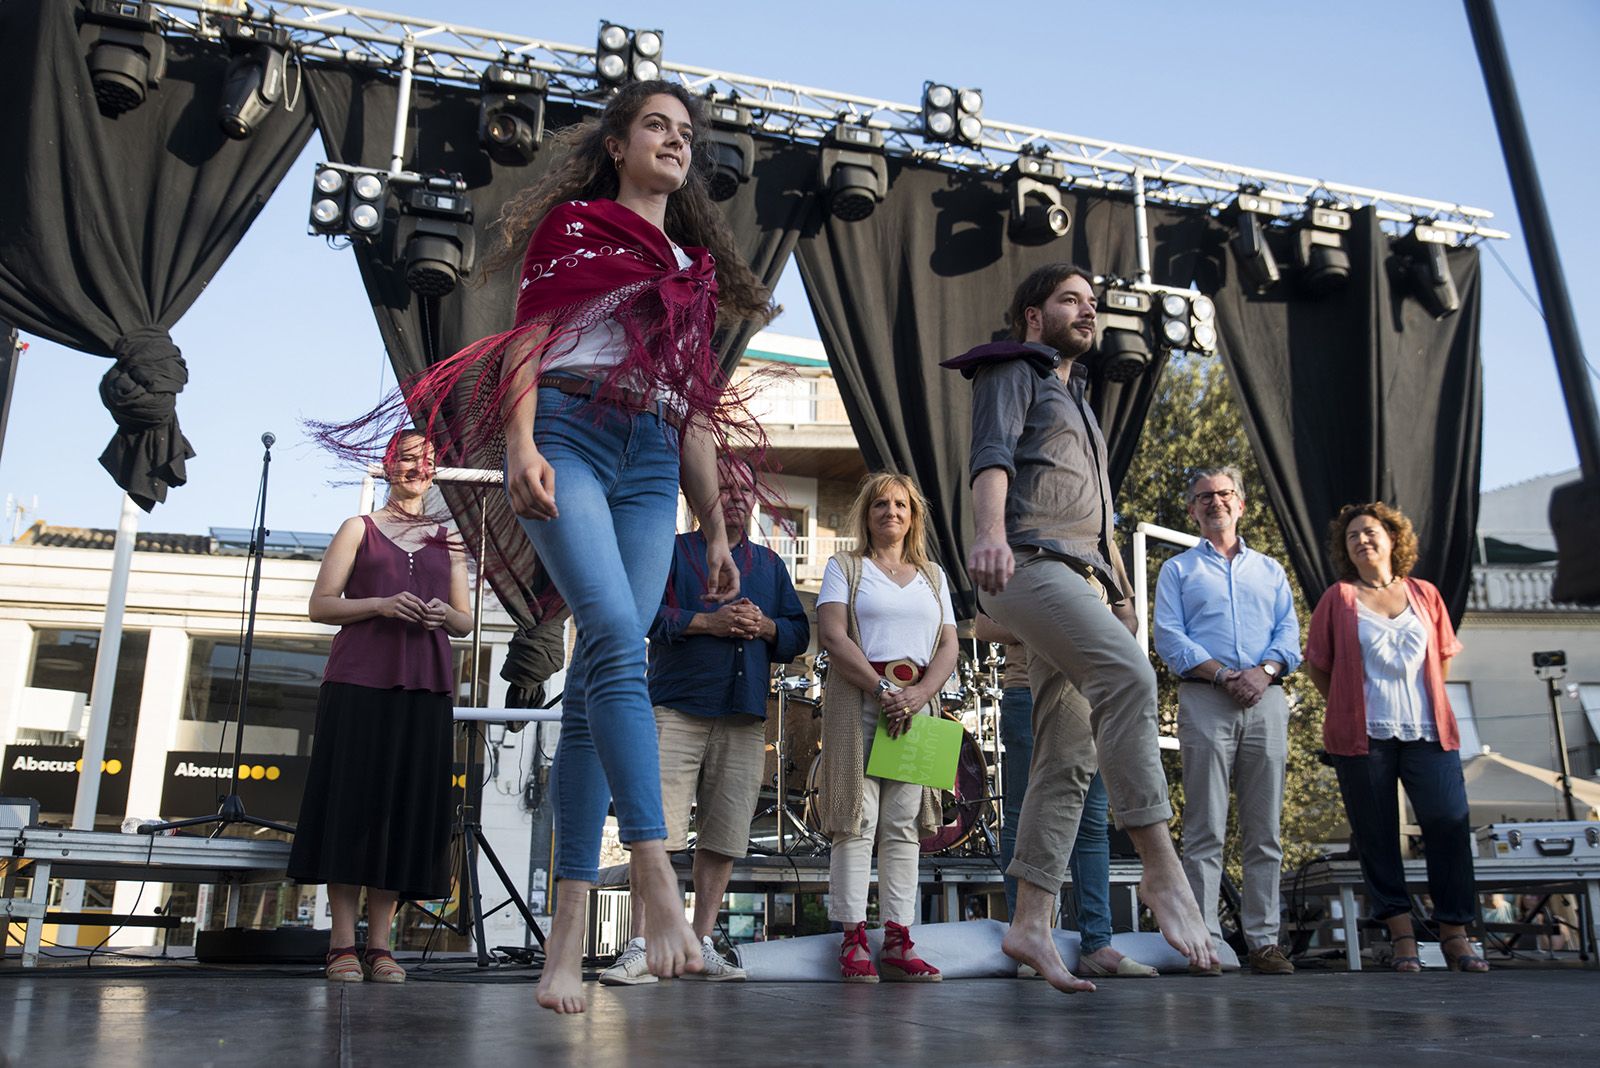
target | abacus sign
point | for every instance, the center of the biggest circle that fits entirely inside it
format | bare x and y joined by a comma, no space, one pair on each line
270,784
49,775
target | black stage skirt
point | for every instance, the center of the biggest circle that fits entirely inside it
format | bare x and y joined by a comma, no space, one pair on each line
377,810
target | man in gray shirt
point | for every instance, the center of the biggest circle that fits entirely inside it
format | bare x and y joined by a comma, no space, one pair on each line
1044,557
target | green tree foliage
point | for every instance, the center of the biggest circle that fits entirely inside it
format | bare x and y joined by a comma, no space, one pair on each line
1195,423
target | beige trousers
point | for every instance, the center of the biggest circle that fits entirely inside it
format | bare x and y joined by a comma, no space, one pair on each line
712,764
889,812
1222,743
1059,611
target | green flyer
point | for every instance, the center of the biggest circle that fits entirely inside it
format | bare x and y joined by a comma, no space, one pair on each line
926,754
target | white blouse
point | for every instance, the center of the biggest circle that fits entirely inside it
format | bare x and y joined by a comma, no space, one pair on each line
1393,655
602,346
896,623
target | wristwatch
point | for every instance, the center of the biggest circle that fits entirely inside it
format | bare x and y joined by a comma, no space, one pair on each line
1271,669
884,686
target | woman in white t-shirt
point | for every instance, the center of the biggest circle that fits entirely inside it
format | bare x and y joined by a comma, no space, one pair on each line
885,618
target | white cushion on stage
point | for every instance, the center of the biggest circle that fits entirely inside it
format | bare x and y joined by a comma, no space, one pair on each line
967,950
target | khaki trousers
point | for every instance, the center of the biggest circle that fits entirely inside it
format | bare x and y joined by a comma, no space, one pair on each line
1222,743
1059,611
889,811
713,765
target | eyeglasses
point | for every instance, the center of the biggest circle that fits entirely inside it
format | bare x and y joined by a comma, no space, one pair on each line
1223,495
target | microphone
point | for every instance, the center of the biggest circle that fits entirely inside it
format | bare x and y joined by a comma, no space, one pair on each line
269,439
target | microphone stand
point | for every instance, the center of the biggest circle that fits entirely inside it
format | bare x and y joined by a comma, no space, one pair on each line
232,808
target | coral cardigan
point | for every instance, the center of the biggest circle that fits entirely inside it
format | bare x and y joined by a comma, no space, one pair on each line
1334,646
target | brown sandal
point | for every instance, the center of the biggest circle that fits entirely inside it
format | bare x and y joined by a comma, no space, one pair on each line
343,966
381,967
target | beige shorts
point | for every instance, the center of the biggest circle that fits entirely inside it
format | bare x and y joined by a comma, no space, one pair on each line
714,764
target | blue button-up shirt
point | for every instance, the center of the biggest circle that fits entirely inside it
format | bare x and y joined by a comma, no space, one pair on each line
705,675
1238,612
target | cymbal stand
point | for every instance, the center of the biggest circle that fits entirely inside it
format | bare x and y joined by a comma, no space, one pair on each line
785,685
989,695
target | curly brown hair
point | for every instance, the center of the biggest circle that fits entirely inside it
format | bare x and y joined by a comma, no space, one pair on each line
585,171
1403,554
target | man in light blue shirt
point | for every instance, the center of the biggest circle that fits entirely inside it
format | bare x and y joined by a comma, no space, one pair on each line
1225,625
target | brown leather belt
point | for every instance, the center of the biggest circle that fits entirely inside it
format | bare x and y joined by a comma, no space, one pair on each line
902,673
633,399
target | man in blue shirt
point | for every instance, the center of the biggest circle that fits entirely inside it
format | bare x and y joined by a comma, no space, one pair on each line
1225,625
710,671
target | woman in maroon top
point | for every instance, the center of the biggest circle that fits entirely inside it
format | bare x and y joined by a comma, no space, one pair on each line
376,809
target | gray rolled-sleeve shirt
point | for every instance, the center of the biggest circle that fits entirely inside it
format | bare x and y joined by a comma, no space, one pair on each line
1041,431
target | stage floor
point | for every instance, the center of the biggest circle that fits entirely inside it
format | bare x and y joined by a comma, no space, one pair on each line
134,1014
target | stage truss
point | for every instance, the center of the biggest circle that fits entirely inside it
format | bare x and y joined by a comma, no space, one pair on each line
440,51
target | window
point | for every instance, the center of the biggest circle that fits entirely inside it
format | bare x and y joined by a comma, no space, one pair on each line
1460,695
64,660
285,675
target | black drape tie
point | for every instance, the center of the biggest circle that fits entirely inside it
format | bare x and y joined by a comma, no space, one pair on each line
146,456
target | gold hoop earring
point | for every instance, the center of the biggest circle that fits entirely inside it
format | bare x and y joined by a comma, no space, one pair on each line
616,161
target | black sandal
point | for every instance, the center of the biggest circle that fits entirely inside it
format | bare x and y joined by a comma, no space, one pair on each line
1408,965
1466,962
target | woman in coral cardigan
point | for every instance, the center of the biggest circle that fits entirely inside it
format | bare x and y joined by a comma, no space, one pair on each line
1379,651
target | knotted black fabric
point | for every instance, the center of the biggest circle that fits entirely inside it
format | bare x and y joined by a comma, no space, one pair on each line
927,276
113,227
141,392
1361,396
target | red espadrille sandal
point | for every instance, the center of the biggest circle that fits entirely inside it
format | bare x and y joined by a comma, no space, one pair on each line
855,956
899,960
343,965
381,967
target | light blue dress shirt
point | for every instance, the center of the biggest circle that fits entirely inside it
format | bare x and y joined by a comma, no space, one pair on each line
1238,612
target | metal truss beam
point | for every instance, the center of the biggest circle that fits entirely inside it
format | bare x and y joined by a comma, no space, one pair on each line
326,31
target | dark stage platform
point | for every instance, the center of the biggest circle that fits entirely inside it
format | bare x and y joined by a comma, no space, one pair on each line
127,1014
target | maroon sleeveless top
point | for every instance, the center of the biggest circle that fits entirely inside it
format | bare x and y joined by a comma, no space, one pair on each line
389,654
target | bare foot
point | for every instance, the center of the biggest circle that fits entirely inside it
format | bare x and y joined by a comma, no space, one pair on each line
671,949
561,981
1165,890
1033,946
1106,957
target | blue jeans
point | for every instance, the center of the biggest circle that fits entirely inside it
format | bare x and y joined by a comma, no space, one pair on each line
1091,850
608,553
1438,792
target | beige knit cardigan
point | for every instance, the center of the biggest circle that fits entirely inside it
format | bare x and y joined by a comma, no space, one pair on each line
843,761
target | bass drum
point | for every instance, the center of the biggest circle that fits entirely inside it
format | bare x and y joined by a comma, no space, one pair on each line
962,812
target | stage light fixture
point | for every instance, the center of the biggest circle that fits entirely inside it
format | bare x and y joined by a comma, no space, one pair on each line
853,172
1037,214
1258,267
1423,260
254,83
127,54
1123,347
511,113
348,201
622,55
1319,250
442,245
1188,322
950,114
732,149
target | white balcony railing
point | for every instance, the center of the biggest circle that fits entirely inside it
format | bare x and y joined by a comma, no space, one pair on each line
1515,588
806,557
800,401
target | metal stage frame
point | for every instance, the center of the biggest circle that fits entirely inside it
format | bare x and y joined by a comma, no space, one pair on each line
415,47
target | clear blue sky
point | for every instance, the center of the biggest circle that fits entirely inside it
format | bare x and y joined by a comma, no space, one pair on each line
1381,94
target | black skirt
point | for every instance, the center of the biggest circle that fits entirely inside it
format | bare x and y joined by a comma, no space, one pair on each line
378,805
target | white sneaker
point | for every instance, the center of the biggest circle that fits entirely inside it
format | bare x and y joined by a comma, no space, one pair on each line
630,968
717,967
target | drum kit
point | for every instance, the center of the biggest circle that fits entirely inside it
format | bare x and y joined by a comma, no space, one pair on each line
972,810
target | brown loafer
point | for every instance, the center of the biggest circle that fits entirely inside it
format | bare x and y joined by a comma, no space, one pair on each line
1269,960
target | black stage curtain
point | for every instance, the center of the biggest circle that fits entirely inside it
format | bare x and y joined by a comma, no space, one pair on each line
930,274
1363,396
355,113
112,227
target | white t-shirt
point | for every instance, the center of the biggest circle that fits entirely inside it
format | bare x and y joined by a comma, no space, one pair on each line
1394,653
895,623
602,346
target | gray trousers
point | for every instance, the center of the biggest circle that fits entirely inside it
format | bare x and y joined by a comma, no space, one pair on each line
1222,743
1058,609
